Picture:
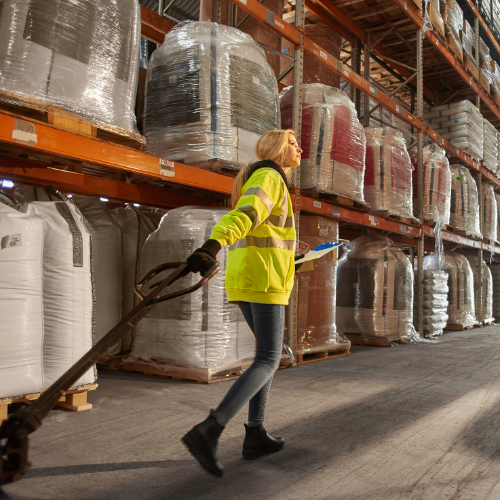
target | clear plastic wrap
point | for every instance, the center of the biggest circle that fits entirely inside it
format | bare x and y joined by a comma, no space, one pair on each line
210,95
453,19
490,146
495,275
333,140
464,206
468,40
201,329
432,18
376,300
316,318
78,55
388,174
484,55
486,307
489,202
435,310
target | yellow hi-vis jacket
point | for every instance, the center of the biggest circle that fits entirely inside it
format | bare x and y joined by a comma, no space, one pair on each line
261,234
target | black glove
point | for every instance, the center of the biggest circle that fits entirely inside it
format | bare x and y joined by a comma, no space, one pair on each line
199,261
297,266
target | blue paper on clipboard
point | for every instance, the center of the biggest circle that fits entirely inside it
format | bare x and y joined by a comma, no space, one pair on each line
319,251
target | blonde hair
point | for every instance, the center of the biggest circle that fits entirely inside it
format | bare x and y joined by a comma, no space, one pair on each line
271,146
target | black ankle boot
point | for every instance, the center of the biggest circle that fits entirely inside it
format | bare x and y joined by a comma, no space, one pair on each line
201,442
258,442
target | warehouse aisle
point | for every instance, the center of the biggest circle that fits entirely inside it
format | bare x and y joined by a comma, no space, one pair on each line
409,422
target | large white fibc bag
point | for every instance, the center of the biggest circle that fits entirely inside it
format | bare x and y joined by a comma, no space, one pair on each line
67,288
21,311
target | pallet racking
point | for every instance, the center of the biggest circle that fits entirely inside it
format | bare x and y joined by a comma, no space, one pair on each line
381,34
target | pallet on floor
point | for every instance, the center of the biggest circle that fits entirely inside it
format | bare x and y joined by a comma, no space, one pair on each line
358,339
110,362
458,328
74,400
311,357
30,108
219,166
335,199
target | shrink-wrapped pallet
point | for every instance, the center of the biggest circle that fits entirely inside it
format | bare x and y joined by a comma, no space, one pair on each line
484,308
375,305
388,173
489,206
78,55
108,265
435,307
497,199
495,276
464,206
201,329
468,40
316,317
490,146
210,95
21,303
453,19
333,140
136,226
433,19
68,300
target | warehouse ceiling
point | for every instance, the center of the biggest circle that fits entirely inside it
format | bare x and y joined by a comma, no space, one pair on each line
176,10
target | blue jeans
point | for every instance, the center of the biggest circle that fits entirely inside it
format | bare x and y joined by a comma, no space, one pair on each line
267,322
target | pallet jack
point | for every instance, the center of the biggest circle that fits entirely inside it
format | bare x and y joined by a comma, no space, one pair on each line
15,430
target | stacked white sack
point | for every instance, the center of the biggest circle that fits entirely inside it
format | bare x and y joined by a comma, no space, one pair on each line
490,146
21,303
464,206
210,94
333,140
461,123
435,302
489,206
495,275
202,329
484,310
388,173
79,55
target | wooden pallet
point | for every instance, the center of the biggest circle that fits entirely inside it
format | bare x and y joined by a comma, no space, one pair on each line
219,166
358,339
432,224
110,362
385,214
74,400
335,199
311,357
35,109
458,328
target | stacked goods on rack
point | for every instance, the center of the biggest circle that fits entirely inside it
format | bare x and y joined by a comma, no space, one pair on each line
136,226
468,44
433,17
453,18
388,173
210,95
376,302
495,276
464,206
461,123
77,55
461,310
201,330
317,282
483,304
497,199
489,205
486,75
490,146
333,141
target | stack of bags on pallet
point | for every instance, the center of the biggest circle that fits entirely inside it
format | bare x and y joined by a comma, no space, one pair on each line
453,18
483,304
201,329
210,95
489,205
495,276
81,56
490,146
317,284
464,206
333,141
376,302
388,174
461,123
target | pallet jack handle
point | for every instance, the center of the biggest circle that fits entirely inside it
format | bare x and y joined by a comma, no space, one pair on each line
15,430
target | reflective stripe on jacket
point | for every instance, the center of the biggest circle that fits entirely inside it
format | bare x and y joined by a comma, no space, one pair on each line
261,234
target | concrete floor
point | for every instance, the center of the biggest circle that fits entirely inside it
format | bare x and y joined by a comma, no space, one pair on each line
409,422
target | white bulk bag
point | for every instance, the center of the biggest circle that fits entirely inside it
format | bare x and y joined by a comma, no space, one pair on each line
489,203
484,310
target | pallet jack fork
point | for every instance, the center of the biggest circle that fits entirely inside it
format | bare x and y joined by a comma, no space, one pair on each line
15,430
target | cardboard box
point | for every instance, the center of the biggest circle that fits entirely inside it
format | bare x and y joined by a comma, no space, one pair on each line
471,67
455,47
484,82
436,20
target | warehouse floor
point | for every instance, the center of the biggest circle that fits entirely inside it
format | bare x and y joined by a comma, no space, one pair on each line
409,422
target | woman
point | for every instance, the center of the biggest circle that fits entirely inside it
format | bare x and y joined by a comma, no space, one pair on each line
259,278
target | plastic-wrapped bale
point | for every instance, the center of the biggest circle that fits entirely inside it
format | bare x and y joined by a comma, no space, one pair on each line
468,44
464,206
79,55
388,174
435,311
453,19
21,303
333,141
107,265
497,199
484,310
376,303
210,95
437,184
68,301
461,309
317,284
200,330
489,204
495,276
490,146
136,226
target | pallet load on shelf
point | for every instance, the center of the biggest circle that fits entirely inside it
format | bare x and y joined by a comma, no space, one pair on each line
433,19
376,303
468,44
388,173
484,311
78,55
316,317
461,123
453,18
136,226
497,199
210,95
490,146
489,204
495,86
495,276
333,141
464,206
497,173
486,70
200,331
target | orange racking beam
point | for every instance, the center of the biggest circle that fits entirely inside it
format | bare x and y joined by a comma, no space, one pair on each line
484,25
153,26
460,240
328,20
